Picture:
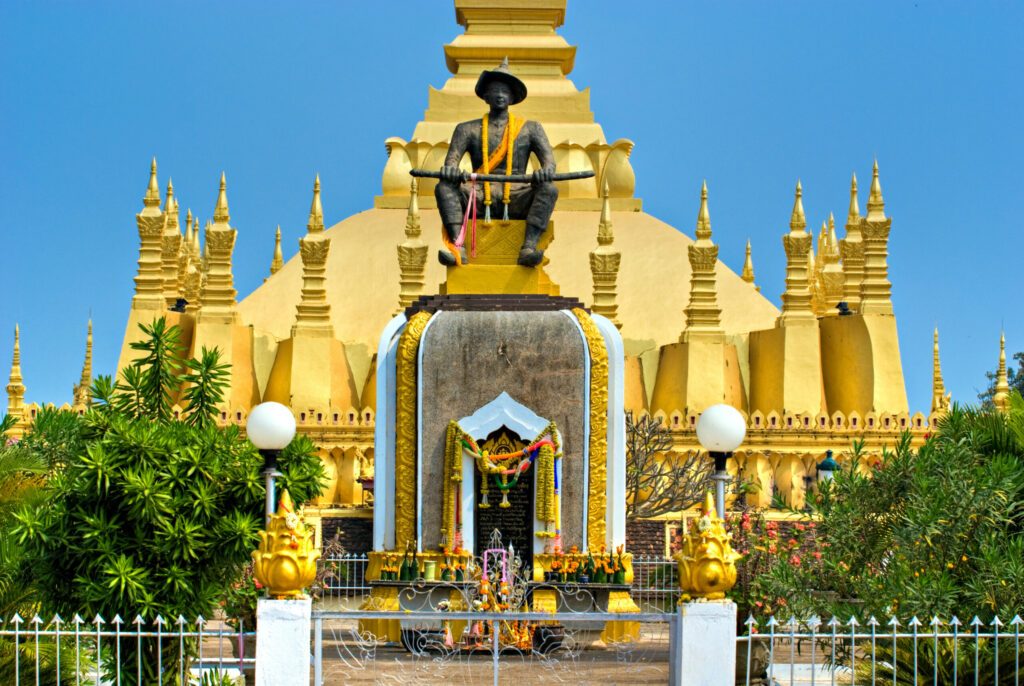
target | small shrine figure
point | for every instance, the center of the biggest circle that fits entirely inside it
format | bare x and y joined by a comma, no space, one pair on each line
499,142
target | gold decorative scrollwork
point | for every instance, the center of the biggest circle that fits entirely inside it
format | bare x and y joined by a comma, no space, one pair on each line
405,429
596,505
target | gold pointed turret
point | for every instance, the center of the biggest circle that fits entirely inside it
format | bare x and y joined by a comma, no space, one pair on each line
278,260
1001,397
875,289
220,212
171,248
16,389
82,390
703,315
412,254
940,399
604,265
149,282
217,300
829,276
313,312
748,269
796,300
852,250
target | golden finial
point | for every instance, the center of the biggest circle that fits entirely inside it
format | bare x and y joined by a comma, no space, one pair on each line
285,562
220,213
16,357
833,241
605,234
853,215
876,205
797,221
81,391
152,197
278,261
412,217
703,216
748,268
811,268
940,399
15,387
707,562
169,201
189,231
1001,398
316,211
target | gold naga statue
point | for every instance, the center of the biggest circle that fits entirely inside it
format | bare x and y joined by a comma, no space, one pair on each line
285,562
707,563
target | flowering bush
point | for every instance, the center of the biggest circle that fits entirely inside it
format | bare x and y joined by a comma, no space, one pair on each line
239,603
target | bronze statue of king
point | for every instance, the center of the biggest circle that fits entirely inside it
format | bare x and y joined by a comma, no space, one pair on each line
498,143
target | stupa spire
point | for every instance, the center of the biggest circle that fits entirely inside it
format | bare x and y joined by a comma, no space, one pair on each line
316,210
313,311
152,197
82,390
748,269
149,281
875,289
604,264
220,212
412,253
217,299
829,276
15,387
703,315
1001,397
796,300
278,260
170,249
940,399
852,250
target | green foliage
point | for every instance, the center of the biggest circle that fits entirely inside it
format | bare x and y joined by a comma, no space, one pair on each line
152,514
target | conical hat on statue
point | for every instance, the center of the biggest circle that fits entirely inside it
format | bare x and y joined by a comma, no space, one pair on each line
502,74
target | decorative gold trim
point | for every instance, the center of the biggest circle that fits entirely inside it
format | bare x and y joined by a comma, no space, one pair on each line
405,430
596,505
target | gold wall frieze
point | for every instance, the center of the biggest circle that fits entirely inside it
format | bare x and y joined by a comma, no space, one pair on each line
596,505
405,428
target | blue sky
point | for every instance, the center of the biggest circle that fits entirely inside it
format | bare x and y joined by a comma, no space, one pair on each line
748,95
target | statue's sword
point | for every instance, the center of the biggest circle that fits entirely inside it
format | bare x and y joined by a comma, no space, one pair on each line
513,178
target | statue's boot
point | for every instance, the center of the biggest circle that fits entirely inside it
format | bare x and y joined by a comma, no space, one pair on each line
445,255
529,254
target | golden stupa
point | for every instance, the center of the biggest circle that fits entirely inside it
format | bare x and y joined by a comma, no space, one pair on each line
696,333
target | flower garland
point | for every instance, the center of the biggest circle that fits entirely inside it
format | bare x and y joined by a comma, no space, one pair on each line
505,471
505,149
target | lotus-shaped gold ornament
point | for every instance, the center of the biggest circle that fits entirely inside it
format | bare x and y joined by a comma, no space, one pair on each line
707,563
285,562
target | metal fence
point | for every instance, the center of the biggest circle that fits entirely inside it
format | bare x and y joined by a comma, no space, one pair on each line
655,582
562,648
936,651
112,651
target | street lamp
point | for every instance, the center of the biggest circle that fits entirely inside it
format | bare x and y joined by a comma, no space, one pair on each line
827,468
720,431
271,427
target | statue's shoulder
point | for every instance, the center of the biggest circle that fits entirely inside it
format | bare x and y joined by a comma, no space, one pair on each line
471,126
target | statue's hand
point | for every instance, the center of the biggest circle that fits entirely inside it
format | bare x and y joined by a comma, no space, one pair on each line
452,175
543,176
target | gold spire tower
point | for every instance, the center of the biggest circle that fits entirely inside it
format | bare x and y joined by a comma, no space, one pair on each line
703,315
748,269
940,399
217,300
796,301
149,282
412,253
278,260
82,393
16,389
852,250
875,289
1001,398
170,247
313,311
830,272
604,265
185,254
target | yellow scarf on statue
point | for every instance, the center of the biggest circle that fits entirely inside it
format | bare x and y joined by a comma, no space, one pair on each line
504,150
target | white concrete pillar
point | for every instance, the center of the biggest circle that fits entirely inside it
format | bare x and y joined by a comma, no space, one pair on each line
282,642
702,651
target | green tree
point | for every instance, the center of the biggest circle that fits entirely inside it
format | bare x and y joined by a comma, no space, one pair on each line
153,514
937,531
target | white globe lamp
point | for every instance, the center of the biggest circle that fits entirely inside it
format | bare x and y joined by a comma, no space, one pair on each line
720,430
270,427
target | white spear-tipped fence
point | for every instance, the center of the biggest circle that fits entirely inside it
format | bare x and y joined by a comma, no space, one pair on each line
98,651
814,651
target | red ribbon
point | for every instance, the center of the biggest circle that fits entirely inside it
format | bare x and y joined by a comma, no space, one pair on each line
470,209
